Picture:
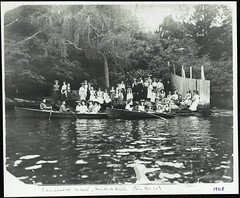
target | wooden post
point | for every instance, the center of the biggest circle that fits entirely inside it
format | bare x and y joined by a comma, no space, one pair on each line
174,70
191,72
183,72
202,73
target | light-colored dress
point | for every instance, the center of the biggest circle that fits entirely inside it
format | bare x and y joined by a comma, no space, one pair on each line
78,107
160,86
153,97
129,96
128,107
141,108
83,109
92,95
82,93
187,100
100,97
96,109
106,97
149,91
194,105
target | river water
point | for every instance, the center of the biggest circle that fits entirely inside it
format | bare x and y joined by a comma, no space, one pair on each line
69,151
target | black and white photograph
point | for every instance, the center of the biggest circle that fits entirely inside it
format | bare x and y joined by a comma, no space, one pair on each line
119,98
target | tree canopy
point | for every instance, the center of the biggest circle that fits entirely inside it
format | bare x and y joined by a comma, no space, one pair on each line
105,44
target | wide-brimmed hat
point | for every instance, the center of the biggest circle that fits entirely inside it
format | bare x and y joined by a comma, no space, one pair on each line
96,101
142,100
90,101
56,81
129,100
78,101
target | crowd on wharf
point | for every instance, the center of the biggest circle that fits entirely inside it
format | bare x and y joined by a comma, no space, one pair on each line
144,94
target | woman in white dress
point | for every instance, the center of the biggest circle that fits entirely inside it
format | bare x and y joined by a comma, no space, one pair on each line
195,101
106,97
92,94
129,94
149,91
64,91
82,92
100,96
188,99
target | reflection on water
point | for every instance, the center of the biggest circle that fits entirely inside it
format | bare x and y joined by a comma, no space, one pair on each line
182,150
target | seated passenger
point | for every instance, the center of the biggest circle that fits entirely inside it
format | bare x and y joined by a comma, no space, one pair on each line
43,105
187,101
141,107
91,106
78,107
83,108
195,101
159,108
97,107
129,105
63,107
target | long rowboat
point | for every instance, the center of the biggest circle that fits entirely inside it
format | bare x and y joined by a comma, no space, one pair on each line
131,115
37,113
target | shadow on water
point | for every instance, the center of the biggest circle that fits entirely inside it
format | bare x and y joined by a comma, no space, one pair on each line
185,149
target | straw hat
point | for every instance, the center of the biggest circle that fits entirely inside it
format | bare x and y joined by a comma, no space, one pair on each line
129,100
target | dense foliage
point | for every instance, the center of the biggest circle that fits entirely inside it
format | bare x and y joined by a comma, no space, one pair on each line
104,44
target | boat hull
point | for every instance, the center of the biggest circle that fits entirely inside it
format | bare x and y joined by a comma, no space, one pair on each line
133,115
37,113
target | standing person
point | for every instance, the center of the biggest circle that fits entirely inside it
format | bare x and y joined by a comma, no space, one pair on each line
69,94
195,101
149,91
160,84
43,105
86,87
82,92
119,98
145,89
112,94
129,94
92,94
153,97
106,97
154,84
56,89
134,89
162,94
100,96
139,90
123,87
64,91
63,107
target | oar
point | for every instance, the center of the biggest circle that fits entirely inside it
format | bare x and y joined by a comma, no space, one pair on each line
73,113
69,110
154,115
50,114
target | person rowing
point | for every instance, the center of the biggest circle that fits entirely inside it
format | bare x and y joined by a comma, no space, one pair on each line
43,105
63,107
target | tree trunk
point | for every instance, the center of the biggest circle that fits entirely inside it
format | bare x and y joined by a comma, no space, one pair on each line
106,72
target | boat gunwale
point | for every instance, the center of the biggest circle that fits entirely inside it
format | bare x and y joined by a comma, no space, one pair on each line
56,112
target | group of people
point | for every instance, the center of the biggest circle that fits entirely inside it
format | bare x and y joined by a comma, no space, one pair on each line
144,94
